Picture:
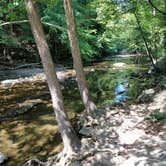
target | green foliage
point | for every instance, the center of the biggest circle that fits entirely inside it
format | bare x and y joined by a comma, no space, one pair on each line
163,82
12,35
119,28
135,89
55,17
104,27
9,40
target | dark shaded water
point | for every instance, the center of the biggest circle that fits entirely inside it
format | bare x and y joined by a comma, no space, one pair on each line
19,73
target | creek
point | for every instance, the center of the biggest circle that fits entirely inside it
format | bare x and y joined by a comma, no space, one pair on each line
35,134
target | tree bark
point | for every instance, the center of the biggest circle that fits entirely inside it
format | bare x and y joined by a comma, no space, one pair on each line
80,76
69,137
148,51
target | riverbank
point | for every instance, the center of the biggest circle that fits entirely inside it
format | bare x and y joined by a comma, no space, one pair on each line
125,136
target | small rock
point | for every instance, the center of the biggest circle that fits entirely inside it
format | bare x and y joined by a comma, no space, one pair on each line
119,64
85,131
92,70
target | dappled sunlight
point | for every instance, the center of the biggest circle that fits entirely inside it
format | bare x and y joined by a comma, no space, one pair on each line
32,134
20,138
131,66
35,133
121,138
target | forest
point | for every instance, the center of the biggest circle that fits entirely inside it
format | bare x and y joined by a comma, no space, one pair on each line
82,82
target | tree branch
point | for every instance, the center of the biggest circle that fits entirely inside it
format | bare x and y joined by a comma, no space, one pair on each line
25,21
13,22
53,25
151,3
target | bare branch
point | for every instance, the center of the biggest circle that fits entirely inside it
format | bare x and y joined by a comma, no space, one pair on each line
53,25
25,21
13,22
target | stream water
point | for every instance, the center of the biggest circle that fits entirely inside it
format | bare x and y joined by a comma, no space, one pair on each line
35,133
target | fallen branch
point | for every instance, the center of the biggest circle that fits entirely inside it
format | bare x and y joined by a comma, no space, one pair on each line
13,22
27,65
6,63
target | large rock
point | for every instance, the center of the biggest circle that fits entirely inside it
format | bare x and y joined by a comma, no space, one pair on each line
85,131
147,95
119,64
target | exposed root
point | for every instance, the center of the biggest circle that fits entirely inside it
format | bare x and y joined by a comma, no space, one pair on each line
36,162
64,159
90,154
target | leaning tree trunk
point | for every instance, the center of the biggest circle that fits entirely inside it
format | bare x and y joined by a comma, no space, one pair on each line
69,137
80,76
148,51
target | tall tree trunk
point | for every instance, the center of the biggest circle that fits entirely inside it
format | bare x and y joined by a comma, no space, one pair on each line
80,76
148,51
69,137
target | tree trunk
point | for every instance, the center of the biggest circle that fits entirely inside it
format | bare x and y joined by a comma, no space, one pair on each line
80,76
148,51
69,137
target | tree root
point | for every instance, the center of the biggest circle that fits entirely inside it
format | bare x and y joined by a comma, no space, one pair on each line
35,161
62,159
